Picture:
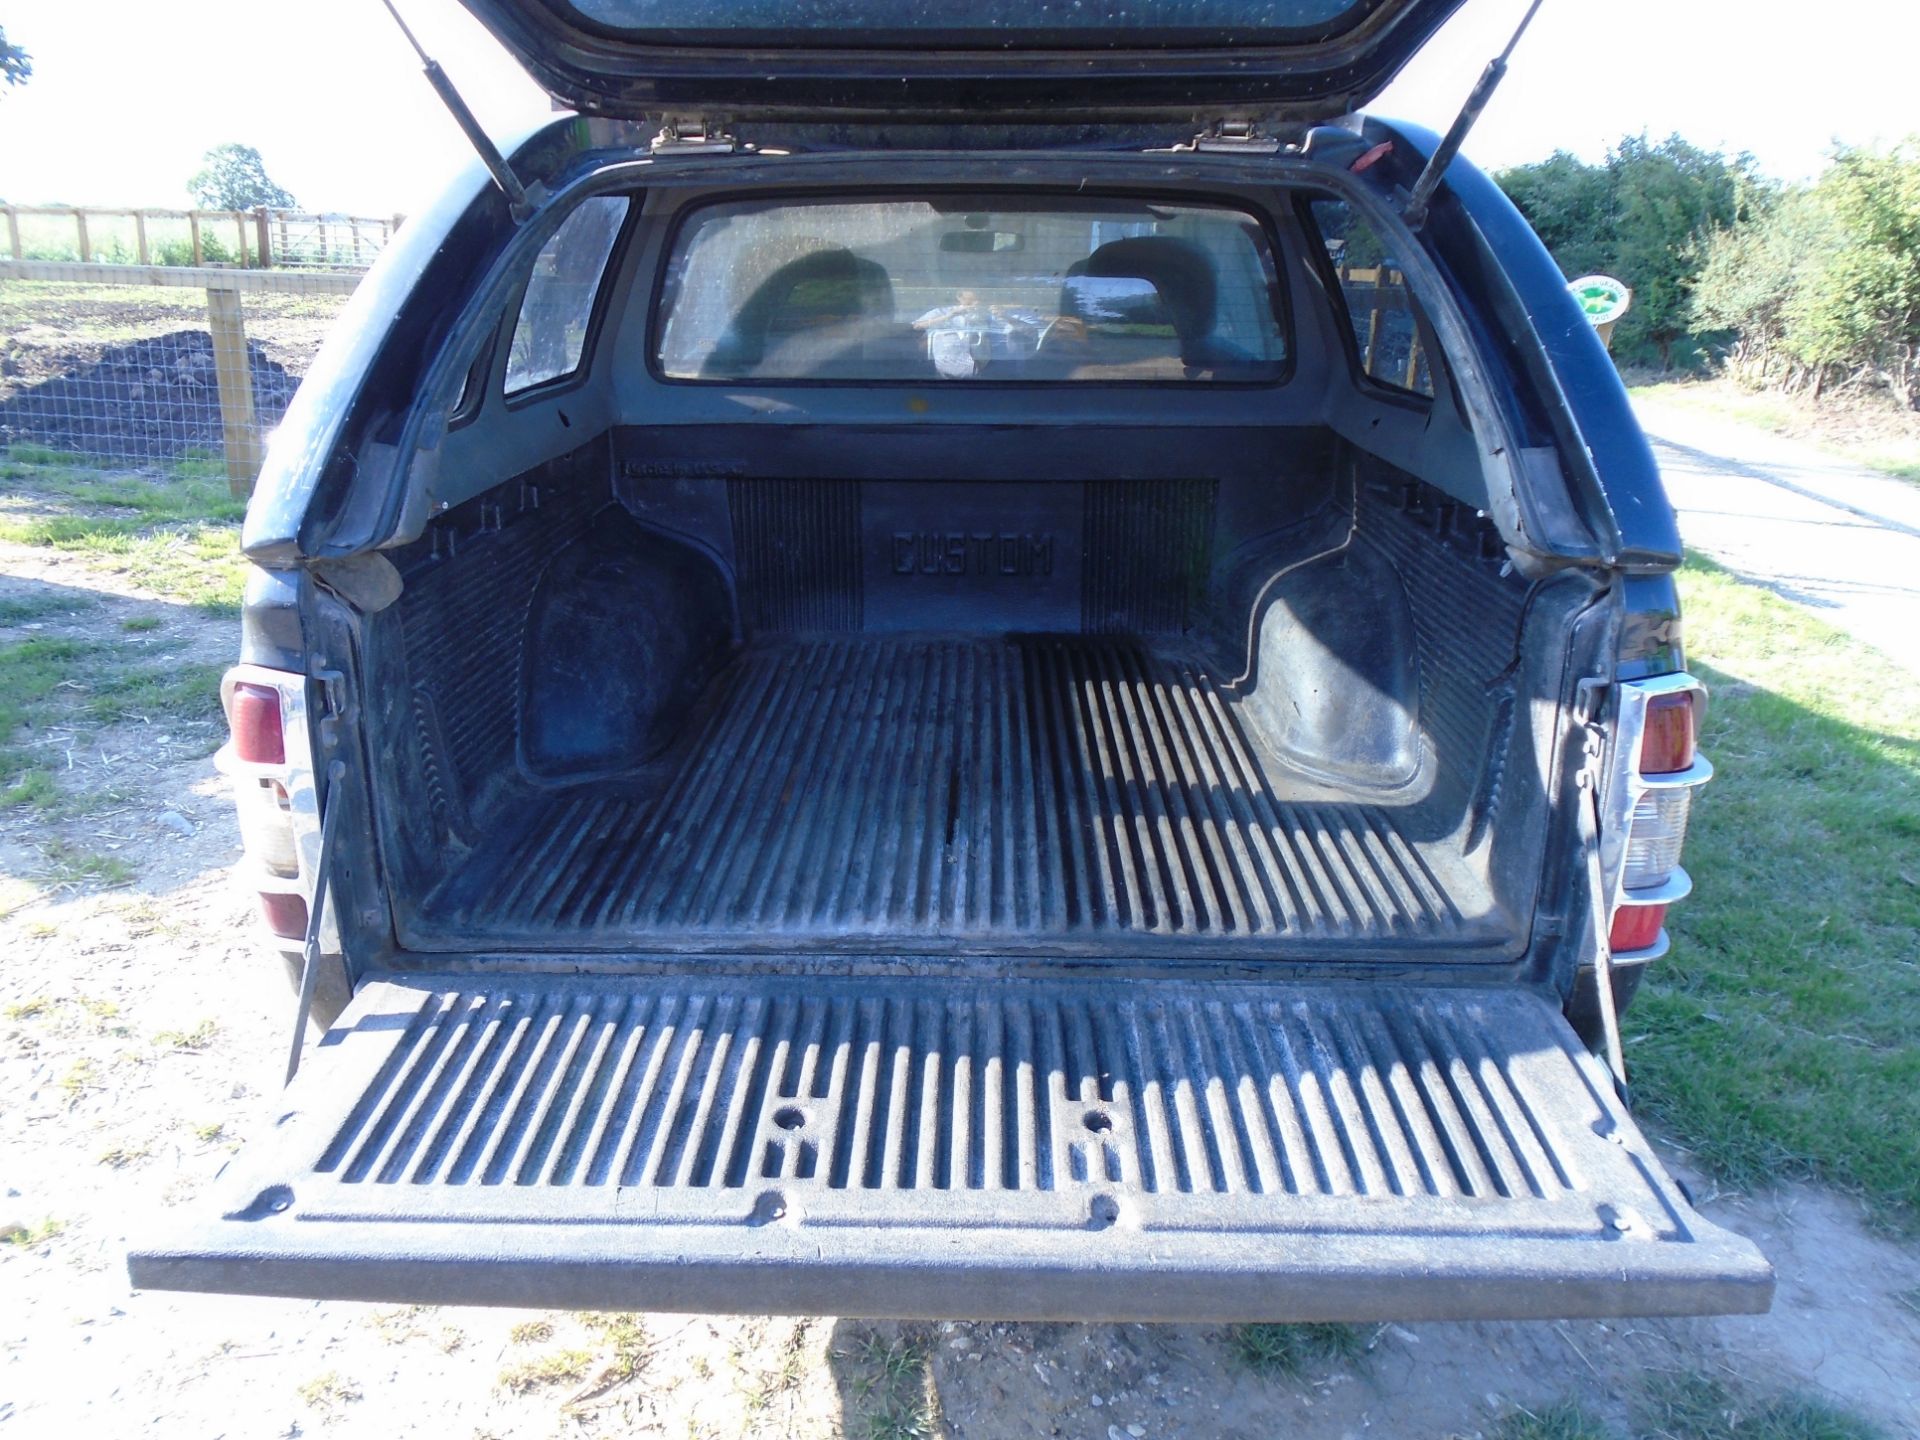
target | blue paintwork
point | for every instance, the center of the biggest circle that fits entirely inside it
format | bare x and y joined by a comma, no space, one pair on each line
314,423
1629,477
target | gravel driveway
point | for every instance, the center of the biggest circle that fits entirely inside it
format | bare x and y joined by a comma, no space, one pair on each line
1835,536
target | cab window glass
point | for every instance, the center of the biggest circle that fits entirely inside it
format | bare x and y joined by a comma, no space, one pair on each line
971,288
551,334
1385,319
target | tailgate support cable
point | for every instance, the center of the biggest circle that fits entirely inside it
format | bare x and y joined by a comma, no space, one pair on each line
1589,704
1416,212
310,960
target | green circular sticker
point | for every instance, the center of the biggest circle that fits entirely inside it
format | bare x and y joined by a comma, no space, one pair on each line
1603,298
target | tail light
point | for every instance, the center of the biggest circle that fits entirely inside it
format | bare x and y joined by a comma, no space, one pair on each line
255,722
1649,798
286,915
266,759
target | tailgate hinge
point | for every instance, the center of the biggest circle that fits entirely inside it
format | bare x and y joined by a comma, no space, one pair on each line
692,137
1590,700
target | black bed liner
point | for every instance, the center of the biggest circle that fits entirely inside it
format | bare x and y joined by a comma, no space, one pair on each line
958,1147
1033,792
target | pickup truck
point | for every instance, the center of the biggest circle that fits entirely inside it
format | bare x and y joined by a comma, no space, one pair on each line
998,664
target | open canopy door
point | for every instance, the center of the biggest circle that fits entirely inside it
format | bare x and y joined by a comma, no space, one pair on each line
985,61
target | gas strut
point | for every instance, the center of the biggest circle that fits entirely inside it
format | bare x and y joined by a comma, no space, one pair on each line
1417,200
490,156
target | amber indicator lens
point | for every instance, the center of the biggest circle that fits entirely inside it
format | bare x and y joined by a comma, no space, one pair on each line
1668,745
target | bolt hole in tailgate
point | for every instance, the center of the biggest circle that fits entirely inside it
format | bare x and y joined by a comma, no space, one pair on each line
942,1146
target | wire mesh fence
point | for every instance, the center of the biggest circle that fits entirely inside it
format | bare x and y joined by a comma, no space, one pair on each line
150,377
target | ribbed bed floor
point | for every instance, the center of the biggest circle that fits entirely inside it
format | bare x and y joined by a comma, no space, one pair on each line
1045,791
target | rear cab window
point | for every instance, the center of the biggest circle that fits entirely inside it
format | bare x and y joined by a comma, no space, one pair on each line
556,311
971,288
1387,324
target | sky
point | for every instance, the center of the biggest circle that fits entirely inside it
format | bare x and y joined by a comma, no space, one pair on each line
128,95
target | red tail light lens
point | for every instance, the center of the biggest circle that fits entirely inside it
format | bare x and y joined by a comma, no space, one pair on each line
253,714
1668,745
1635,927
286,915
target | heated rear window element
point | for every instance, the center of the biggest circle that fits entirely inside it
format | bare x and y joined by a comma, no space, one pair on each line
1386,324
971,288
551,335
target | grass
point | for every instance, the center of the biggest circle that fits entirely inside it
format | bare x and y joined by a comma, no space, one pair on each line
1693,1406
31,1237
69,865
329,1392
783,1377
100,1010
1569,1420
32,672
558,1367
1782,1036
619,1352
623,1347
25,609
1701,1407
401,1324
890,1381
160,692
81,1077
176,534
1288,1351
193,1041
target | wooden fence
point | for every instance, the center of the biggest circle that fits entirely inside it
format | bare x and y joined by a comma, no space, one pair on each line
242,435
262,238
1385,289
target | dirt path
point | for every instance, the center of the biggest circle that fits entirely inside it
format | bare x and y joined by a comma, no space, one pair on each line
1835,536
141,1037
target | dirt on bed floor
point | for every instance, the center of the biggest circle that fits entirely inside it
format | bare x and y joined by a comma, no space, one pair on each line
142,1036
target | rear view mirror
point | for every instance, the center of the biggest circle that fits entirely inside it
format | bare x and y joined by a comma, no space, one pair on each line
981,242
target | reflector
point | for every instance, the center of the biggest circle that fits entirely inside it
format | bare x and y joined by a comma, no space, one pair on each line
1635,927
286,915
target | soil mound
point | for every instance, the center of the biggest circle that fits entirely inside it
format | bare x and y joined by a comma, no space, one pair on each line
154,399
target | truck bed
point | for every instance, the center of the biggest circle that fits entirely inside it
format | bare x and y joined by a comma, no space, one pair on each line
1035,792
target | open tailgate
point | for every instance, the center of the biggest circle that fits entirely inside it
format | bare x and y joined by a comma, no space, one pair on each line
1019,1149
